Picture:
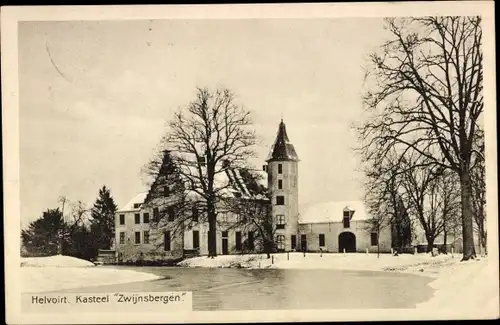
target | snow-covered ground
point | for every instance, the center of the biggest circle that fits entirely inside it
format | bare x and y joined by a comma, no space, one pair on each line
459,286
349,261
55,261
54,273
470,286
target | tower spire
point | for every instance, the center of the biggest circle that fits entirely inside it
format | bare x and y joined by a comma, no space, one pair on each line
282,149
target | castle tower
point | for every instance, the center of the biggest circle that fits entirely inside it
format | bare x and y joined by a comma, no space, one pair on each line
282,171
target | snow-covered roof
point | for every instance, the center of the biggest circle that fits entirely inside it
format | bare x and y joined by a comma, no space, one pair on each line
227,179
333,212
228,182
263,177
138,199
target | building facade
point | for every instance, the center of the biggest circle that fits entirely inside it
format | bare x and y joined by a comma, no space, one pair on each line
341,227
328,227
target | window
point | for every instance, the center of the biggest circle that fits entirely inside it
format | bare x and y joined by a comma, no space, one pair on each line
171,213
166,241
238,240
374,238
224,234
201,161
146,218
280,222
347,219
122,219
280,184
146,236
250,241
280,242
196,239
347,222
223,217
195,214
280,200
322,240
156,214
294,241
280,169
137,237
137,218
166,191
264,168
122,238
137,205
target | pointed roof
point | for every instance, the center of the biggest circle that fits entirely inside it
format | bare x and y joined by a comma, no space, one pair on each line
282,149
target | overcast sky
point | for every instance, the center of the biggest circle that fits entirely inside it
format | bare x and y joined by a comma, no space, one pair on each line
94,97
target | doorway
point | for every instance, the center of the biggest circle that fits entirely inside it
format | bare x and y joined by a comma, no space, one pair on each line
225,247
225,243
303,243
347,241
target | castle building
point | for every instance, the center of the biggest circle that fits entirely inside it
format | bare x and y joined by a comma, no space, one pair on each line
327,227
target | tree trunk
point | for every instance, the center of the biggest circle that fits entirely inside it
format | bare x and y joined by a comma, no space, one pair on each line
268,248
467,228
430,243
482,236
445,235
212,230
378,244
485,244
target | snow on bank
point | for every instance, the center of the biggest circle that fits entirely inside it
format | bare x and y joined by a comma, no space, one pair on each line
54,273
55,261
470,287
354,261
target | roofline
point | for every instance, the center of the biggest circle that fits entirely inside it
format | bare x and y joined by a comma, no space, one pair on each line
129,210
282,159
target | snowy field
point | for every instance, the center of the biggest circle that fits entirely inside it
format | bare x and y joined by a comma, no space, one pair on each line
54,273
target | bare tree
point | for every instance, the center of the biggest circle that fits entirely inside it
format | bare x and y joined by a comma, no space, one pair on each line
382,196
425,93
79,216
478,179
422,192
433,198
449,203
209,133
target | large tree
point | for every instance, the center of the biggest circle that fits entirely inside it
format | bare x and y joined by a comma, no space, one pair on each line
42,236
425,90
102,222
211,131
